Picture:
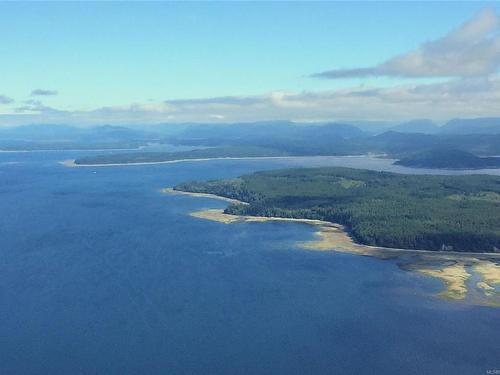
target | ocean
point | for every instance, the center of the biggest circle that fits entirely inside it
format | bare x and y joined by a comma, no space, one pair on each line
101,273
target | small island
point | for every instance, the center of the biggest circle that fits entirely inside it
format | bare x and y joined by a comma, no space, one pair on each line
441,213
448,159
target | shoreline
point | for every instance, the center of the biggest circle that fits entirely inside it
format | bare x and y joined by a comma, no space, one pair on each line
447,169
201,195
71,162
228,218
452,269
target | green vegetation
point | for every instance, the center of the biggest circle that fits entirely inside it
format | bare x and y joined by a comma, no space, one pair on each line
488,196
450,159
154,157
459,213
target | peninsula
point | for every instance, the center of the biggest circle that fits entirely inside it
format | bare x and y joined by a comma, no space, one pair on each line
450,213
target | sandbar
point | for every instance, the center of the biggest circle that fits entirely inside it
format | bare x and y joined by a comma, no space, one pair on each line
453,276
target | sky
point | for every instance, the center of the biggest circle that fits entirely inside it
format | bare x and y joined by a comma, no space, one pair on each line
145,63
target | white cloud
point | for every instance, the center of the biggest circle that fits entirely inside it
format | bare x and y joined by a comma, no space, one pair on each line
472,50
470,97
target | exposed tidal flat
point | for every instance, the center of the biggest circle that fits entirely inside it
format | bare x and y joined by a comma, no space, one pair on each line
453,269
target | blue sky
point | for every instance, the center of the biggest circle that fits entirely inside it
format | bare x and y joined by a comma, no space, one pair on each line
107,59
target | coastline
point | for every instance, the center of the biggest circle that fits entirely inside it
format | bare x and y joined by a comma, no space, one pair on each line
219,215
452,269
332,236
201,195
446,169
71,162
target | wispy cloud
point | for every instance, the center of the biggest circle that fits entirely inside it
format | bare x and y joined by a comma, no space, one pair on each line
32,105
472,50
5,99
42,92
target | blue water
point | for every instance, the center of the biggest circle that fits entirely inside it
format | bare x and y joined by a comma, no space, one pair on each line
100,273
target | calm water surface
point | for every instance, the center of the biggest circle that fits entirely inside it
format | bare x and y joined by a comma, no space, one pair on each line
100,273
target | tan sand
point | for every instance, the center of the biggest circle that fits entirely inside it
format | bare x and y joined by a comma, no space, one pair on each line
488,289
334,237
490,273
453,276
201,195
216,215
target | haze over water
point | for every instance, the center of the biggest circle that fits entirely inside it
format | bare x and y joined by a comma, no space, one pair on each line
102,273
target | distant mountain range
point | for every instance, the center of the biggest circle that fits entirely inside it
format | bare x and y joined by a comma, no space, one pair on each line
424,126
265,133
478,136
334,139
59,132
486,125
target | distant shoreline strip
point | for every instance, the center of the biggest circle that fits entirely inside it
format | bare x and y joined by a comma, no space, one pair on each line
71,162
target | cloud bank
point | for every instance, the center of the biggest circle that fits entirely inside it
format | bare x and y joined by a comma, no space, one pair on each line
472,50
471,97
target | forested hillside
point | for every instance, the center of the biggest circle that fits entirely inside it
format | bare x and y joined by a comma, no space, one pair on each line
449,159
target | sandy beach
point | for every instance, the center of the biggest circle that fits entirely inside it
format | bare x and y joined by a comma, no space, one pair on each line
201,195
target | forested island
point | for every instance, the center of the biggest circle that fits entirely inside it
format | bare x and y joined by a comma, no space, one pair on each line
449,159
451,213
158,157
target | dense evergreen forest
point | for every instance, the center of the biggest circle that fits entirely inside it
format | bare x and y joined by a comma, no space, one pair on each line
459,213
450,159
